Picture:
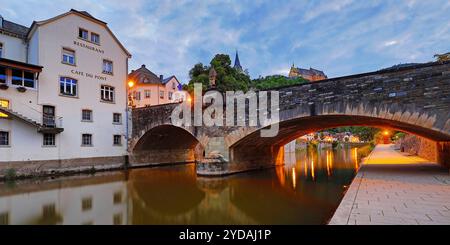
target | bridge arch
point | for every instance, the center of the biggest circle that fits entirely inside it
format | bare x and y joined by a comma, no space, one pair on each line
164,144
294,123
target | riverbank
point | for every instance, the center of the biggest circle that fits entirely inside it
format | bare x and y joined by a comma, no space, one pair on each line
396,188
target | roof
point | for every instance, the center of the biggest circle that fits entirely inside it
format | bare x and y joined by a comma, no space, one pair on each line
237,62
13,28
310,72
166,80
83,14
20,65
144,76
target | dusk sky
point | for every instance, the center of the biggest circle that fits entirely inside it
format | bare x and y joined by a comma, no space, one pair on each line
340,37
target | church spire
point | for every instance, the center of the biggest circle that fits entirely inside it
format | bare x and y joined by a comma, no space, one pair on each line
237,63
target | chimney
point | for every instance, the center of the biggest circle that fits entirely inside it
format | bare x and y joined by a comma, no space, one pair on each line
142,66
161,77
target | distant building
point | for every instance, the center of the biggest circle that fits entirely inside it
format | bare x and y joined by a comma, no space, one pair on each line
311,74
150,89
237,63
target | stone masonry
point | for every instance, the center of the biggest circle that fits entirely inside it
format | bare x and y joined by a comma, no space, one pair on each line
414,99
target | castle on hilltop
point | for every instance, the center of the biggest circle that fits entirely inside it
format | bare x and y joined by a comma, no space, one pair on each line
310,75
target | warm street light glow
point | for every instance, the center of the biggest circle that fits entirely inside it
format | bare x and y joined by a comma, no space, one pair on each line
130,84
386,132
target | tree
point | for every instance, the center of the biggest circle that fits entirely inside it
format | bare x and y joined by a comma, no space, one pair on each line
270,82
228,78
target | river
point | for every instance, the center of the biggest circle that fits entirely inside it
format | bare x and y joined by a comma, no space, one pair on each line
306,190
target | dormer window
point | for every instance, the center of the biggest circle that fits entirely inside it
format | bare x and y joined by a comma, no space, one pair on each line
83,34
95,38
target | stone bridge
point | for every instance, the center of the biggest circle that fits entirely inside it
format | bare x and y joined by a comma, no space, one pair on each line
413,99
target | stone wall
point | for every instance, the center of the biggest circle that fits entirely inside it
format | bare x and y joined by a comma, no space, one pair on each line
419,146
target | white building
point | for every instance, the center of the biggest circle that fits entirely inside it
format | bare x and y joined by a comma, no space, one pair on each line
62,93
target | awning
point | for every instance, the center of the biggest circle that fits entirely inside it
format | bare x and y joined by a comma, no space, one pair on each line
20,65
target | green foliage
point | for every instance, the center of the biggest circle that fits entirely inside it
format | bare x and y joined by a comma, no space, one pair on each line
10,174
364,133
270,82
228,78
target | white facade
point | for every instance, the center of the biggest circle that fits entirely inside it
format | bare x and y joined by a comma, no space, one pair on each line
44,46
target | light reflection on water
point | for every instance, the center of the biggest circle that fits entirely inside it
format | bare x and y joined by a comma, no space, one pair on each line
306,190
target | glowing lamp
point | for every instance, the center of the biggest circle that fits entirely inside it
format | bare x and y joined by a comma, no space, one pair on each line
130,84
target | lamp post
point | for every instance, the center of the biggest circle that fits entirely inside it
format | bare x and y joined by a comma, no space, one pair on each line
129,105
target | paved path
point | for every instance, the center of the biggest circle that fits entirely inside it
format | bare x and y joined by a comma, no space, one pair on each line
393,188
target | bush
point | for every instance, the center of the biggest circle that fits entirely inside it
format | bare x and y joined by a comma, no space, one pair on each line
10,174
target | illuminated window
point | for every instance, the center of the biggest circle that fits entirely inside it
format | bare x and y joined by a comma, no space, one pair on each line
68,86
4,104
107,66
95,38
68,56
107,93
83,34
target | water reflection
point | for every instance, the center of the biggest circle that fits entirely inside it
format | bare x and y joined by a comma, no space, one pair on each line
306,190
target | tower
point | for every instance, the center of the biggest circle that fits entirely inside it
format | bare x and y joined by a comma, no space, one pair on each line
237,63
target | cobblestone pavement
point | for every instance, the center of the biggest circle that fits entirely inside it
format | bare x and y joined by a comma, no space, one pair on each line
392,188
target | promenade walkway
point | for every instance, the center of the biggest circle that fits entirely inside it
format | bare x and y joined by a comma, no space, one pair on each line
394,188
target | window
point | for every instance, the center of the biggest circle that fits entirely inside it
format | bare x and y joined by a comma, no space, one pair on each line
107,66
107,93
86,140
3,75
68,56
117,118
161,94
68,86
95,38
137,95
4,104
49,211
174,85
117,219
147,93
117,197
83,34
170,95
86,115
49,140
86,204
117,140
4,218
22,78
4,138
1,50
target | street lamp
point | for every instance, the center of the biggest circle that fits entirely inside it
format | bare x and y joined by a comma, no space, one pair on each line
129,104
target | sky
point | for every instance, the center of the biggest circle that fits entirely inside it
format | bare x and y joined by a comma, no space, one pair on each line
340,37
